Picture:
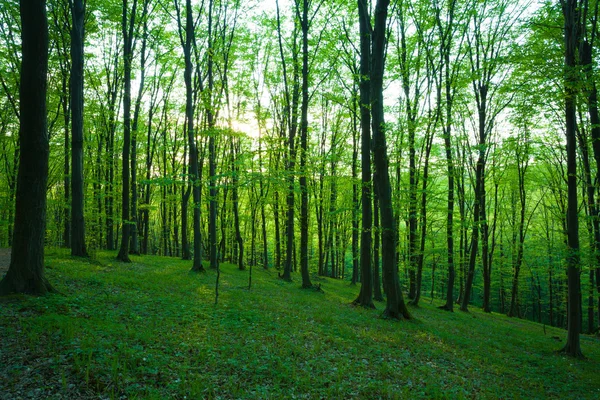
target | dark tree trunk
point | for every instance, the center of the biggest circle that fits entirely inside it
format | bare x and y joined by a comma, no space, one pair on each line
522,161
479,206
411,114
291,120
395,307
445,48
128,30
423,227
67,164
134,247
26,271
355,203
365,296
377,295
212,150
236,214
277,231
77,220
306,283
194,176
487,264
572,347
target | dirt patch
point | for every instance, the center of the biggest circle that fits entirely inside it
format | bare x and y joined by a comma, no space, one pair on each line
4,261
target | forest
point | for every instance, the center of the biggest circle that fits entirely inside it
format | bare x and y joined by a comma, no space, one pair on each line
419,152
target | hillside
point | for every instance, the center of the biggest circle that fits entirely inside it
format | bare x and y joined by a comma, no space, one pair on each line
150,329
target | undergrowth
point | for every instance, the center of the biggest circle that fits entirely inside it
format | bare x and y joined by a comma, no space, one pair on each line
150,330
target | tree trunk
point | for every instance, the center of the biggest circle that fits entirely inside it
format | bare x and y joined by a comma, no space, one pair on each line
291,120
77,220
306,283
572,347
445,48
479,206
194,176
377,295
236,214
26,271
128,28
395,307
365,296
355,203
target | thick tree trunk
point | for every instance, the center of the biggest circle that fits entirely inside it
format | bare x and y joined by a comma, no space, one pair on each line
365,296
26,271
395,307
572,347
77,219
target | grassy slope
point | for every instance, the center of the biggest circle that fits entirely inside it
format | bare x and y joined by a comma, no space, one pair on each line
150,330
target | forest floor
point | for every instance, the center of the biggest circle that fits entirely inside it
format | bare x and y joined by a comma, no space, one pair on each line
151,330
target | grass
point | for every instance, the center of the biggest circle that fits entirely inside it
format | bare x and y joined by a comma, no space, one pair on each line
150,330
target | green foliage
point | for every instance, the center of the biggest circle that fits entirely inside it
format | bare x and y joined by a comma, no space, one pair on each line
150,330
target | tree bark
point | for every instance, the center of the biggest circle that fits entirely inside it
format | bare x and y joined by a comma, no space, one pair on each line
572,347
78,247
128,27
395,307
306,283
365,296
26,270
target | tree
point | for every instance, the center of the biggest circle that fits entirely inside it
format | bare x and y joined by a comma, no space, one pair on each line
572,14
187,39
487,48
128,25
305,23
445,75
365,297
395,306
290,121
77,219
26,271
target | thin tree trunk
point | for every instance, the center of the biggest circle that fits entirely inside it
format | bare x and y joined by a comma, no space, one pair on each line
377,295
128,23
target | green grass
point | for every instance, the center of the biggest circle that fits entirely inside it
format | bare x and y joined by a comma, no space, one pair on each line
150,329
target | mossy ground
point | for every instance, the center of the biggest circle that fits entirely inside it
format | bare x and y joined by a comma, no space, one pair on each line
150,329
